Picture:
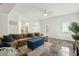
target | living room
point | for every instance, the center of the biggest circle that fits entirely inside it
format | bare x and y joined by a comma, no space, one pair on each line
46,21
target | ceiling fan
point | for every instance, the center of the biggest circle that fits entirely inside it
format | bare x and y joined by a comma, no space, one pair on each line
45,13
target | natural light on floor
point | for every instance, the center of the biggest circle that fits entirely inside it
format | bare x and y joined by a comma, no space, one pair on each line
64,51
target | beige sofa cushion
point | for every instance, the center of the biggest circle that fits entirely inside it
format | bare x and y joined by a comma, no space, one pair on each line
1,38
0,41
15,43
19,43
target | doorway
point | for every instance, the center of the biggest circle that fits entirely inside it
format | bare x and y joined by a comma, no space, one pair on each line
23,27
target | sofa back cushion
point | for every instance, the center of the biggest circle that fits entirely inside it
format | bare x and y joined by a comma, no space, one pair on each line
25,35
30,35
37,34
17,36
8,38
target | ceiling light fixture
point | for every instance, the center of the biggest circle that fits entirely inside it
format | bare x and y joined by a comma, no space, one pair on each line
45,13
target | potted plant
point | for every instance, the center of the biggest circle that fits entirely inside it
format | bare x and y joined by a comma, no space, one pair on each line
74,27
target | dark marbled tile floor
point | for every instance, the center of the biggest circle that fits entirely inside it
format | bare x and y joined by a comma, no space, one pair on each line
61,47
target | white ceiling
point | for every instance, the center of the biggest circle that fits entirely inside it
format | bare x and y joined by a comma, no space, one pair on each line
36,10
5,8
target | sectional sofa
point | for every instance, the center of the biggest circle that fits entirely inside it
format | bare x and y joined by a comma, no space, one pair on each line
21,42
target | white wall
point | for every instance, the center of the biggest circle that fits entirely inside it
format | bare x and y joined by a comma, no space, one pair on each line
3,24
13,28
32,24
55,25
16,17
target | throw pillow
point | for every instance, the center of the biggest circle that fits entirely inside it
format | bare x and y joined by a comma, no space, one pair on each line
8,38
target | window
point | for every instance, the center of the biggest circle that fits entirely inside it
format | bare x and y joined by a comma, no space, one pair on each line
65,27
36,27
